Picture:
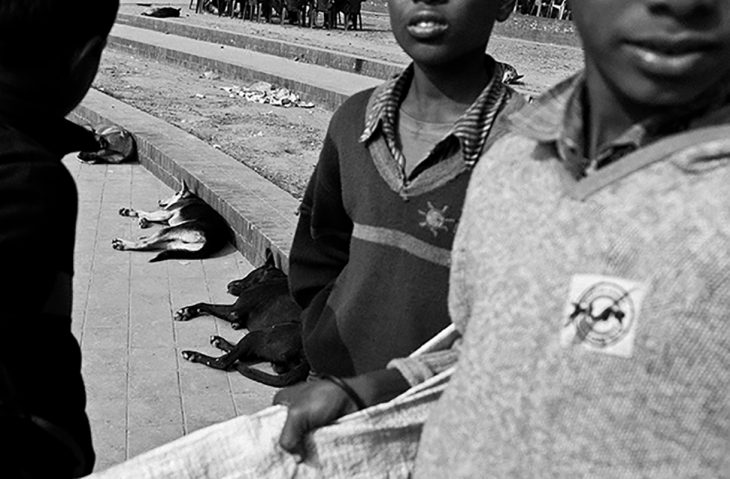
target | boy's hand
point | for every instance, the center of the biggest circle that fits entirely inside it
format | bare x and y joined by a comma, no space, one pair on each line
311,405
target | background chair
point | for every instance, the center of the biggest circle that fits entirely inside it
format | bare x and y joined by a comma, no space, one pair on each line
539,7
560,8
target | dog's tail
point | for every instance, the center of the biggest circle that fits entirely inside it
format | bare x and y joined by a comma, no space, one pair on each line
296,374
178,254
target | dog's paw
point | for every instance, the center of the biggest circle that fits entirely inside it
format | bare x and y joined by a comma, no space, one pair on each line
221,343
118,244
144,223
238,326
127,212
186,314
191,356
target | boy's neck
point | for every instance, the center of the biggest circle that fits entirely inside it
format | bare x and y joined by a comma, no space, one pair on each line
608,114
442,95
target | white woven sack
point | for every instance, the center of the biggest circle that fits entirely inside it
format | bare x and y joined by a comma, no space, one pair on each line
379,442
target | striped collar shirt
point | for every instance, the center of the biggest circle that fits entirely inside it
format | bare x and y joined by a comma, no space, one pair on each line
557,117
470,131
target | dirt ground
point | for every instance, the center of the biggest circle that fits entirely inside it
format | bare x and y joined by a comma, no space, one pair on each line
282,144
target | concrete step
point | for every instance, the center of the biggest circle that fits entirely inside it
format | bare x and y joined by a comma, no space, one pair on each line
261,214
318,84
303,53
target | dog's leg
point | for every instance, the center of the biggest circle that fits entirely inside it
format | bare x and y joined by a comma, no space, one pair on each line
170,238
147,217
146,243
187,313
103,156
240,352
222,344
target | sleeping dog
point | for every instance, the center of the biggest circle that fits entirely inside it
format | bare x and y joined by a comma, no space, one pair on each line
115,145
266,309
194,229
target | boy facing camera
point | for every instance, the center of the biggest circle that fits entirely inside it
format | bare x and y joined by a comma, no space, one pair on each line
592,265
49,54
370,258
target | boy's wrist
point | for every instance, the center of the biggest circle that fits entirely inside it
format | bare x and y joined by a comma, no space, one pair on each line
378,386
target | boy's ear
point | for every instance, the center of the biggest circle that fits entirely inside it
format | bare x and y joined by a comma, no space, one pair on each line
505,9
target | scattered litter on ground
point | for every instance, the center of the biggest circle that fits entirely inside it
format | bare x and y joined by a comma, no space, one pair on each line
210,75
265,92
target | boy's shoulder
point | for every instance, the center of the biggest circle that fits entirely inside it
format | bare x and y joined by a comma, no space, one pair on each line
351,113
358,101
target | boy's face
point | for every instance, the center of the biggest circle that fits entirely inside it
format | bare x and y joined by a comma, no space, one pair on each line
656,53
439,32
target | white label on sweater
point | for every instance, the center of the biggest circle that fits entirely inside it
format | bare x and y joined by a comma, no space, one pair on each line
602,313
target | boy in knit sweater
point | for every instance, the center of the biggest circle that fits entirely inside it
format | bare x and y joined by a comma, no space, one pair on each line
591,270
49,54
370,258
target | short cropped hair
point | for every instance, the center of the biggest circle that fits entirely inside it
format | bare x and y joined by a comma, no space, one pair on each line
36,27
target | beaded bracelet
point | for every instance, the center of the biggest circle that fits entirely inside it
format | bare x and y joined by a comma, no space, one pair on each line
339,382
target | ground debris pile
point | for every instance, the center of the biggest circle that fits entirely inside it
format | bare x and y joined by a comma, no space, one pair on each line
265,92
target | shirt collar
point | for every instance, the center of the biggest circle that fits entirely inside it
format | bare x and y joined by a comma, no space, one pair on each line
471,129
557,117
385,102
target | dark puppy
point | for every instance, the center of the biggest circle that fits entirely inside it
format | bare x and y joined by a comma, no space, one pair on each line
195,230
266,309
115,145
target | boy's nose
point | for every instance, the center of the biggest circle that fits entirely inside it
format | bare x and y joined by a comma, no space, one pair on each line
694,9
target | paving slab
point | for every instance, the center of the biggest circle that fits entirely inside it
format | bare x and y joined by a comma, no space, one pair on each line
141,393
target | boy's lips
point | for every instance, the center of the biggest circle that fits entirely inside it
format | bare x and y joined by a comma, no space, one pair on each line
670,56
427,25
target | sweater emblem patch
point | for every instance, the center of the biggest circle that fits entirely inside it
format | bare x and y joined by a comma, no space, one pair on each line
435,219
601,314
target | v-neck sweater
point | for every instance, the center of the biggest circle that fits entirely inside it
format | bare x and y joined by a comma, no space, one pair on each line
371,254
595,324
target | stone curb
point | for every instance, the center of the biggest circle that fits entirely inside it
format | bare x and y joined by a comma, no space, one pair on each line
260,214
303,53
324,86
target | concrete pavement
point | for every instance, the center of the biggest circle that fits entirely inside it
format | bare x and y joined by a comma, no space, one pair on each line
141,393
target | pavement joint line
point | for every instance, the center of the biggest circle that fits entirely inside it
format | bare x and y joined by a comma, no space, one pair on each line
251,239
315,83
